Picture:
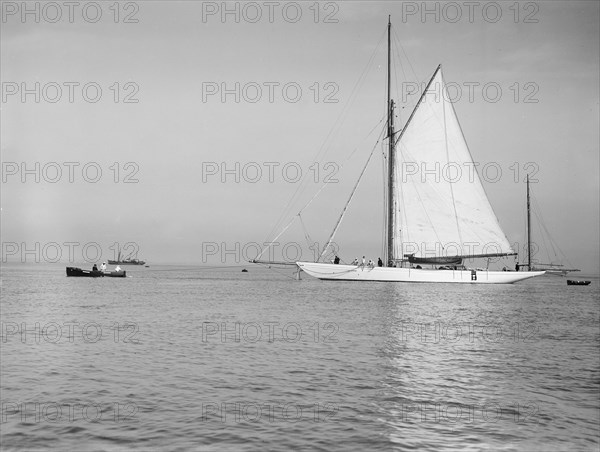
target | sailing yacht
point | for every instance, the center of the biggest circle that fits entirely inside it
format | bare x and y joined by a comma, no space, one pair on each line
431,221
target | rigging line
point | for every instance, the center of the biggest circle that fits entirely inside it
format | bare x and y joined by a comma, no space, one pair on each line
399,62
399,244
364,139
423,204
355,89
523,246
543,239
272,242
335,229
384,197
344,272
402,219
403,214
400,94
448,160
326,183
405,230
395,77
270,267
306,235
405,54
479,178
324,148
540,224
561,256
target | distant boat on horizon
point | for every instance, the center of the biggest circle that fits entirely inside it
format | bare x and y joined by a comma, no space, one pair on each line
126,261
551,268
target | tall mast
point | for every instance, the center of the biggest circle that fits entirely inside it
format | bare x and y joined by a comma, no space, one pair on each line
391,156
528,227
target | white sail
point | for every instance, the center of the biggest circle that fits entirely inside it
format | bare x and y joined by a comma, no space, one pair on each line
441,204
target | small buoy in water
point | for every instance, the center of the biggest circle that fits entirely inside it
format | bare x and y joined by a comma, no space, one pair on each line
244,270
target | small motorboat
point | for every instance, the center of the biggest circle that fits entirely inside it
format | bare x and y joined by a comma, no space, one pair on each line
74,271
577,282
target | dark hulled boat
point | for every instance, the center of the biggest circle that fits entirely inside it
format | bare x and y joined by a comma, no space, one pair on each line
577,282
75,271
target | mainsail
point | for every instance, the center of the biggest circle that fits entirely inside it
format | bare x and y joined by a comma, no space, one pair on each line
441,206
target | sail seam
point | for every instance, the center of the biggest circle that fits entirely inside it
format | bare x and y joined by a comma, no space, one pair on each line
443,92
480,182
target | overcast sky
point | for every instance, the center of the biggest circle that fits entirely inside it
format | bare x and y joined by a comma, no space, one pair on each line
141,86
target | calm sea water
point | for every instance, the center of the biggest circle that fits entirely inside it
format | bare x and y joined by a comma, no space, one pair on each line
186,358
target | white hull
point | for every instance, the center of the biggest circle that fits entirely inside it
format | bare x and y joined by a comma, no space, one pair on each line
365,273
